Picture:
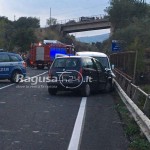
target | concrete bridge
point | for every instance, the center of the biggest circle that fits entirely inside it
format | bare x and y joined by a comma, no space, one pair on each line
86,24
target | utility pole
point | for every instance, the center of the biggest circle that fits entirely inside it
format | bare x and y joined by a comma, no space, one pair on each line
50,17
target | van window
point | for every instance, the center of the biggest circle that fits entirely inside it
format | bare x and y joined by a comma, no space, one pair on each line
103,61
88,63
98,65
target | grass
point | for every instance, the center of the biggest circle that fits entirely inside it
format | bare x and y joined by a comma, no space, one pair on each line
146,88
136,139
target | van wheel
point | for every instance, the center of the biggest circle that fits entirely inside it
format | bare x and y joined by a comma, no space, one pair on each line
14,77
52,91
86,90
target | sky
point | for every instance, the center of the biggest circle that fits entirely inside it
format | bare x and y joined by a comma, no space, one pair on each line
60,9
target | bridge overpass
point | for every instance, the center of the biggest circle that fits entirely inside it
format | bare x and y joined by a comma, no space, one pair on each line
86,24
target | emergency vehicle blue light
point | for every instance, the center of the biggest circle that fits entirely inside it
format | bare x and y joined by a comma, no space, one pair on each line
54,51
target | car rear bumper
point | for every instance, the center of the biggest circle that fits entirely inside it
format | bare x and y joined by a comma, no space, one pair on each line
65,86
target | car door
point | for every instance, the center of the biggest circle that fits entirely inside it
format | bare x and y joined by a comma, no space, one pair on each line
15,62
102,79
4,66
91,73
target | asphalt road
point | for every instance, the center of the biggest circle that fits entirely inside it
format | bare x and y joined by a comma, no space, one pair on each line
31,119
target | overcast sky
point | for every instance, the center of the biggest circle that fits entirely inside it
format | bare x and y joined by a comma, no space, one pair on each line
60,9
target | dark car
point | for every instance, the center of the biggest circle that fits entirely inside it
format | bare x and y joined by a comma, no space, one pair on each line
78,73
11,66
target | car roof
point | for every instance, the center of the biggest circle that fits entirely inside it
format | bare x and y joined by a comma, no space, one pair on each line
90,53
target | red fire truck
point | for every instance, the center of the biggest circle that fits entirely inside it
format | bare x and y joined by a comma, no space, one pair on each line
43,54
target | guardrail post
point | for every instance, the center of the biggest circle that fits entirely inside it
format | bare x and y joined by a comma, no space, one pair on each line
146,107
118,78
136,96
129,90
123,83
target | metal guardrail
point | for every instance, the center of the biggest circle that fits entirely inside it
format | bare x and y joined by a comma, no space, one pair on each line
131,94
139,97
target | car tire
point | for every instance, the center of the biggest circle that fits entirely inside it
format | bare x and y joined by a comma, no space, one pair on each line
86,90
14,77
52,91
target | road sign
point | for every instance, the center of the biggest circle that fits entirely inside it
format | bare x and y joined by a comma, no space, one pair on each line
116,46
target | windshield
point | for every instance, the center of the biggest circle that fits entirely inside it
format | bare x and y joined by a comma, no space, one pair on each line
103,61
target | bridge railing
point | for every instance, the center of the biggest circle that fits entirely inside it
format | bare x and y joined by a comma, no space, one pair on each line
137,95
82,19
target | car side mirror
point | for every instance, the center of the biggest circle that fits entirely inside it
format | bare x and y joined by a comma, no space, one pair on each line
112,66
107,69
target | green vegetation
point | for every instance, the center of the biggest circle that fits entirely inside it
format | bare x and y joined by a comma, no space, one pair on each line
125,12
130,25
130,19
17,35
132,131
146,88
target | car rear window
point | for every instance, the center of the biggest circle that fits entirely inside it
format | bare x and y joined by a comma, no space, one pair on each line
66,63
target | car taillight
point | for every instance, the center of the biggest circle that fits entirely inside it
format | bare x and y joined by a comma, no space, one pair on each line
24,64
80,74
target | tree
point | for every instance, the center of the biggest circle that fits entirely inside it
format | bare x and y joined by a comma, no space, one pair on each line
27,22
51,21
122,12
6,33
24,32
23,39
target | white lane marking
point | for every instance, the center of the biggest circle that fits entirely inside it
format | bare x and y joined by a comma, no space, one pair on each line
2,102
6,86
24,80
78,127
38,75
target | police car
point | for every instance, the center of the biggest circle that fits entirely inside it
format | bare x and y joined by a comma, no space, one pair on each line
11,66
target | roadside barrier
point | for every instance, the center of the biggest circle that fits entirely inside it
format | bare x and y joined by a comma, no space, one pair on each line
136,100
140,98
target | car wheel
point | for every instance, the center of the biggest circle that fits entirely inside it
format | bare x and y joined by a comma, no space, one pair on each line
86,90
52,91
108,87
14,77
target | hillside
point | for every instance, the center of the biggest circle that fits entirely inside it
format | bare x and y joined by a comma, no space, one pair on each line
94,39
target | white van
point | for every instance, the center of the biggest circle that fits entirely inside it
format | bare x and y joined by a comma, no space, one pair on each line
103,58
